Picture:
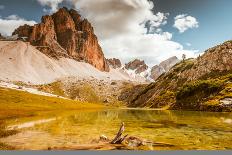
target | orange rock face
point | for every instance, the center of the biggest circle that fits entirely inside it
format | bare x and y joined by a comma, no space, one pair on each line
65,34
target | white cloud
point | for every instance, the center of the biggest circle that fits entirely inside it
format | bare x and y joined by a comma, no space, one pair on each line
53,4
13,17
184,22
2,7
156,21
153,48
10,23
120,27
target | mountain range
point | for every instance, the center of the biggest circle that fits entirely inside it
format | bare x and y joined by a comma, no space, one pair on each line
63,51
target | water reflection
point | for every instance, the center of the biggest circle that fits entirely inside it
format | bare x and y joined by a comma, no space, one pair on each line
165,129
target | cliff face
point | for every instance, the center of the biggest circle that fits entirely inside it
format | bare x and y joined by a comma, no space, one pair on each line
203,84
65,34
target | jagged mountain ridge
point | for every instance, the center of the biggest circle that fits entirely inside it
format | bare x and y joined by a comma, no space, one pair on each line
203,83
139,67
65,34
114,63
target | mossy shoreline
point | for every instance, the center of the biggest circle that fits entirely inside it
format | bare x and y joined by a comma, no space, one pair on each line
22,105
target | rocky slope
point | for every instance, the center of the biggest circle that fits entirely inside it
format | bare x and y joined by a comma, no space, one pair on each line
65,34
163,67
88,90
203,83
20,61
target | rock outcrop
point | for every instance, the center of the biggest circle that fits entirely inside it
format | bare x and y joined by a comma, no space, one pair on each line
163,67
169,63
114,63
156,71
215,60
137,65
65,34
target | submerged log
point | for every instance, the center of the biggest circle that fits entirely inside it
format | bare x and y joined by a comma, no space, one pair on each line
119,138
120,142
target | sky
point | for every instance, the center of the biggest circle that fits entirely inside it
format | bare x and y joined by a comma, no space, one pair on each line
152,30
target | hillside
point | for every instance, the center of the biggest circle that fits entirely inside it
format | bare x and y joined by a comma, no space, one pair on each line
203,83
20,61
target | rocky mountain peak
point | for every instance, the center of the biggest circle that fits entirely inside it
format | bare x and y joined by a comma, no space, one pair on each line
114,63
65,34
169,63
163,67
137,65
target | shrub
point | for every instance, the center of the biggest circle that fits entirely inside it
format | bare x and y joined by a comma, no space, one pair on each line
206,86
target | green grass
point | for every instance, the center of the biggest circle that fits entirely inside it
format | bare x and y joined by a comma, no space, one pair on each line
15,104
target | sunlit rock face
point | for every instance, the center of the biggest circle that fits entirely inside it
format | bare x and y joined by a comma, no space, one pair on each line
65,34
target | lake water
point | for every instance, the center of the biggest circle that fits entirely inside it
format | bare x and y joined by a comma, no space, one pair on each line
168,130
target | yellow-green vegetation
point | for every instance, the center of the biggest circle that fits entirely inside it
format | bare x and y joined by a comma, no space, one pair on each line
54,88
86,92
20,83
5,133
171,79
184,65
14,104
226,92
83,92
205,92
165,99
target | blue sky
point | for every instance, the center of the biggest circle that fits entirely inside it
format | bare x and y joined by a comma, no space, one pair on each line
213,17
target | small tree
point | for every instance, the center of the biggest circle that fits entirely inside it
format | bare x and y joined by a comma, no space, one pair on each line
183,57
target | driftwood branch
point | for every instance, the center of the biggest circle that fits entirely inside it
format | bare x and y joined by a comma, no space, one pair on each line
119,138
